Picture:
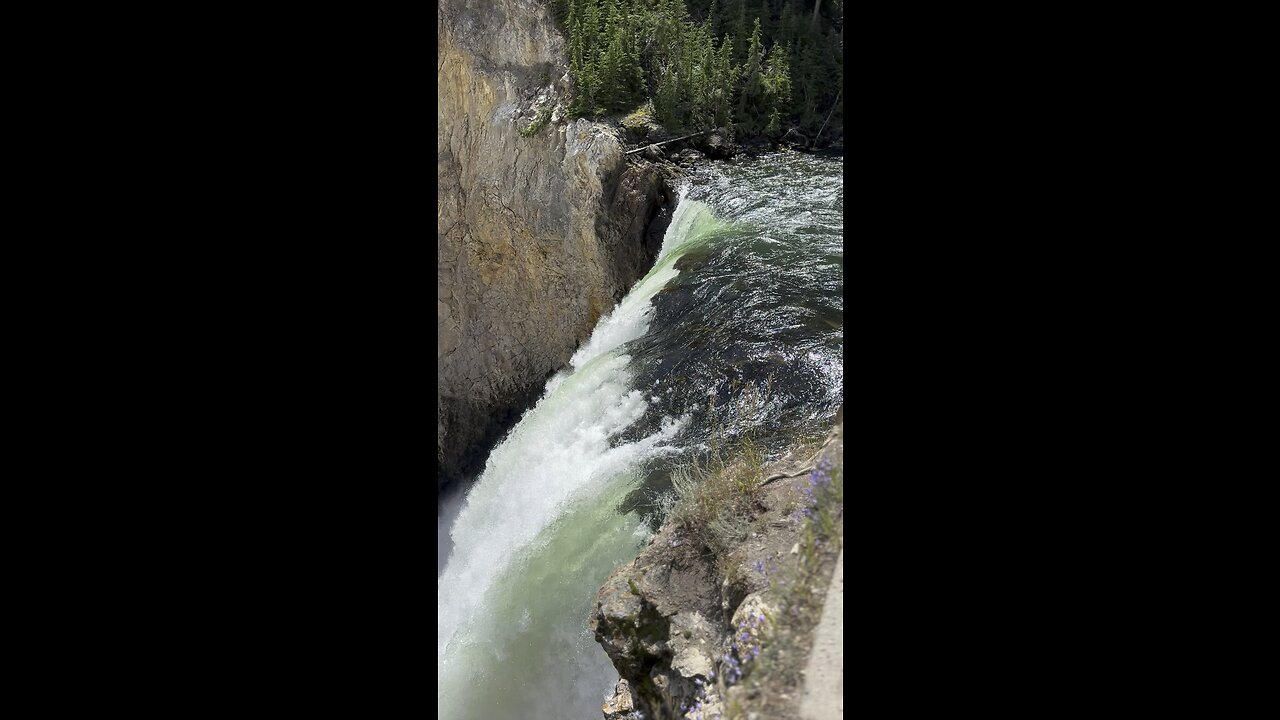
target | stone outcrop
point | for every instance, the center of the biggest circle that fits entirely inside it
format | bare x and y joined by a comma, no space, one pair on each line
621,706
662,620
668,619
542,224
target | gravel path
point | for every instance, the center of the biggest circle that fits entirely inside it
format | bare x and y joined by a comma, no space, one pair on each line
823,696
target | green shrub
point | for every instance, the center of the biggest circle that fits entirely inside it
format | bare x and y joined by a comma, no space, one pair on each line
537,123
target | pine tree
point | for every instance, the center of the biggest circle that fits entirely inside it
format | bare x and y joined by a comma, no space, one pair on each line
669,32
777,86
582,69
616,85
693,67
764,76
752,88
787,24
592,20
725,80
740,31
671,81
812,76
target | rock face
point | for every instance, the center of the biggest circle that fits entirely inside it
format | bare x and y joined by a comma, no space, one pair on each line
620,706
541,222
660,621
669,619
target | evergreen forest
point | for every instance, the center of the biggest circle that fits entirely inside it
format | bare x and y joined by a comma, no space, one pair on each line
762,67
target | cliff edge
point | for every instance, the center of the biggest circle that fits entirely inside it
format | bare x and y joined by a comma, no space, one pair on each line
719,617
541,223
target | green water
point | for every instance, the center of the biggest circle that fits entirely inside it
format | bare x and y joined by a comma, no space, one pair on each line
749,286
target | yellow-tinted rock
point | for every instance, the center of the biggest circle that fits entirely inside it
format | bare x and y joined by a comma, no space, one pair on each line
538,235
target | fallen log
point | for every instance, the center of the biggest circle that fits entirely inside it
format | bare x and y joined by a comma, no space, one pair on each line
664,142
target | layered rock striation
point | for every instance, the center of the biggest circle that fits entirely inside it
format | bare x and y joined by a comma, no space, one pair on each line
542,223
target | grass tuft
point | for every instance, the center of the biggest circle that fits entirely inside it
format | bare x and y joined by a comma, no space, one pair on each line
713,499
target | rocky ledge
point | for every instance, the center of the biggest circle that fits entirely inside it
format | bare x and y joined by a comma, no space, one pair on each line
678,626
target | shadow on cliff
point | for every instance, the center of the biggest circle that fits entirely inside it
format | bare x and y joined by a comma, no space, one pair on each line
638,206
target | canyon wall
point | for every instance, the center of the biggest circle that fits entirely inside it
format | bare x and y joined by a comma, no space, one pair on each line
542,223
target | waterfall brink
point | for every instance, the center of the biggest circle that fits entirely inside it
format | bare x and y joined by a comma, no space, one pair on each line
692,223
542,517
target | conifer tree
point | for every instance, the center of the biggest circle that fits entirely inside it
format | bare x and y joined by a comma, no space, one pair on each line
777,71
726,80
752,88
581,67
777,85
740,31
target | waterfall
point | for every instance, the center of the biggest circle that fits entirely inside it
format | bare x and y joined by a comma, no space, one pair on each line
542,515
758,293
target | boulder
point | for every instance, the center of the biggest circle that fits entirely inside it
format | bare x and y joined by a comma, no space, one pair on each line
795,138
691,156
718,147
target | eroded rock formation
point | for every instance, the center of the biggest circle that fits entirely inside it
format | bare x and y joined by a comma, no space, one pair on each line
669,618
542,224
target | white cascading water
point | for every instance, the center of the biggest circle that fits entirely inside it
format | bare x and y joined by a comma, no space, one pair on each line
540,530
